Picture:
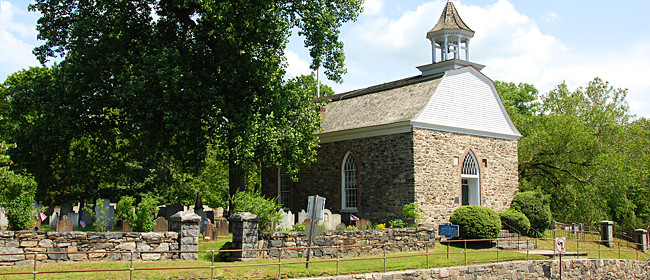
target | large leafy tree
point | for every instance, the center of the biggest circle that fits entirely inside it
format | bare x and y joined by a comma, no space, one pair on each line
160,81
581,148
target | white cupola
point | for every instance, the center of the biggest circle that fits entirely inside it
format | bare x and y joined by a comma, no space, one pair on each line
450,38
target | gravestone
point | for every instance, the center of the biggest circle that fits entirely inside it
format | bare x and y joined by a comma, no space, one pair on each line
74,218
161,225
363,224
210,215
53,219
162,211
126,227
4,222
173,209
222,227
64,225
286,222
330,221
219,213
37,225
87,217
210,232
302,215
104,215
65,209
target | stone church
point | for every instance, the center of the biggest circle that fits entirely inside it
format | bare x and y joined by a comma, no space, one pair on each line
442,139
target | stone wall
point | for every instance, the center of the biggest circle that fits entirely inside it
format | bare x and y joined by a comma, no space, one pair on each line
346,237
385,166
109,246
102,244
571,269
438,179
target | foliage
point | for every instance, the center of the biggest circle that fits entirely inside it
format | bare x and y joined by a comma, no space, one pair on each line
298,227
397,223
380,226
515,219
217,84
412,211
253,201
351,227
583,149
145,214
536,209
16,193
476,222
126,209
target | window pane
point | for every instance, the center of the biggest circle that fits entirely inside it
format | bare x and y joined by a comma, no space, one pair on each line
350,182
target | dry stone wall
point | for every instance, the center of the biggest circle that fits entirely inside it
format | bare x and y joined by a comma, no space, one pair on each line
110,246
438,178
571,269
343,238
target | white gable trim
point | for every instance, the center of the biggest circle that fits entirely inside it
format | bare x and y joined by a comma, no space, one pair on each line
365,132
463,131
467,102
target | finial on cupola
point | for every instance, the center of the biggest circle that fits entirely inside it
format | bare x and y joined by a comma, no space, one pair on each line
450,35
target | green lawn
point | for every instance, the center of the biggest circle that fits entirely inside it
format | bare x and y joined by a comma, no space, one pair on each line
268,269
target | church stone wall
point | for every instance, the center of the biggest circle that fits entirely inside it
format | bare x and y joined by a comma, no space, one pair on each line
385,166
438,179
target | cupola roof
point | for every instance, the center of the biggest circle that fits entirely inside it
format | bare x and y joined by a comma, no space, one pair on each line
449,20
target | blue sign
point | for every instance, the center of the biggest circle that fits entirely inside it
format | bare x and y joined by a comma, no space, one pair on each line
448,230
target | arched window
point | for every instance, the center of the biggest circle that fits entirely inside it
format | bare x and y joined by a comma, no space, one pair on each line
284,187
470,184
349,184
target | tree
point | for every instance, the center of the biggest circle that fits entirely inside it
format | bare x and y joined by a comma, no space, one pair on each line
16,193
161,81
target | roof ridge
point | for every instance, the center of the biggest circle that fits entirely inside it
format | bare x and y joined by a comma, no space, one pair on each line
381,87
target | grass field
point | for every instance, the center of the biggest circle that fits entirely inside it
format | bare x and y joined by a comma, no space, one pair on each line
268,269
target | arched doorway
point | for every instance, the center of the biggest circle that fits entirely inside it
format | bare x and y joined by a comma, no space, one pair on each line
470,180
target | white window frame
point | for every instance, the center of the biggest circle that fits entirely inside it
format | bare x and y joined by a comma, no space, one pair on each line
470,170
344,182
287,179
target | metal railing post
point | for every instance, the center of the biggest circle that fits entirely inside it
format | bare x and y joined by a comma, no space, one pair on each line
384,246
497,249
35,258
427,252
279,263
619,250
465,241
338,255
599,250
577,246
212,267
131,268
447,248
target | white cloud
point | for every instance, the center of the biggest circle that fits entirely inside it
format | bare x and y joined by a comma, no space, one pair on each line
551,17
15,38
372,7
295,65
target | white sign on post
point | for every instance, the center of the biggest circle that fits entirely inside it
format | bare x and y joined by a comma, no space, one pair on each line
320,206
560,245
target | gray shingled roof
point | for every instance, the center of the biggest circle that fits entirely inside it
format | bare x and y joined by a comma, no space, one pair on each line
450,20
383,104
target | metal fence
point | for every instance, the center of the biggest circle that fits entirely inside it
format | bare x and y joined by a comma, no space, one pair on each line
462,244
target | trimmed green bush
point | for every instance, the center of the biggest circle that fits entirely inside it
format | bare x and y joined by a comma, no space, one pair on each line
476,222
146,214
516,220
535,208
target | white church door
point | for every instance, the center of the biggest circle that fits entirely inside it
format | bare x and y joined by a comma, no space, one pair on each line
470,187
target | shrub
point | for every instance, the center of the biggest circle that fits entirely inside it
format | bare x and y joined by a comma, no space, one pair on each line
126,209
476,222
397,223
516,220
535,208
254,202
144,217
298,227
351,227
380,226
412,211
17,192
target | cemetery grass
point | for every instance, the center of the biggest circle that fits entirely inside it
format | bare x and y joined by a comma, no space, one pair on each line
268,269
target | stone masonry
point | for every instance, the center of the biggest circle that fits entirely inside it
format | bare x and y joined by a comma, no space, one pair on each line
438,179
397,169
385,168
244,235
284,240
546,269
186,223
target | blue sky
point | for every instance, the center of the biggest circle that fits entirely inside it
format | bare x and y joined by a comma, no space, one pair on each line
538,42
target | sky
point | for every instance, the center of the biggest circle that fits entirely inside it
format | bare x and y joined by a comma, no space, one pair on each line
543,43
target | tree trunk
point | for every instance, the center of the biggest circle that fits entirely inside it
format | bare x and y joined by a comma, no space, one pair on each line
236,181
